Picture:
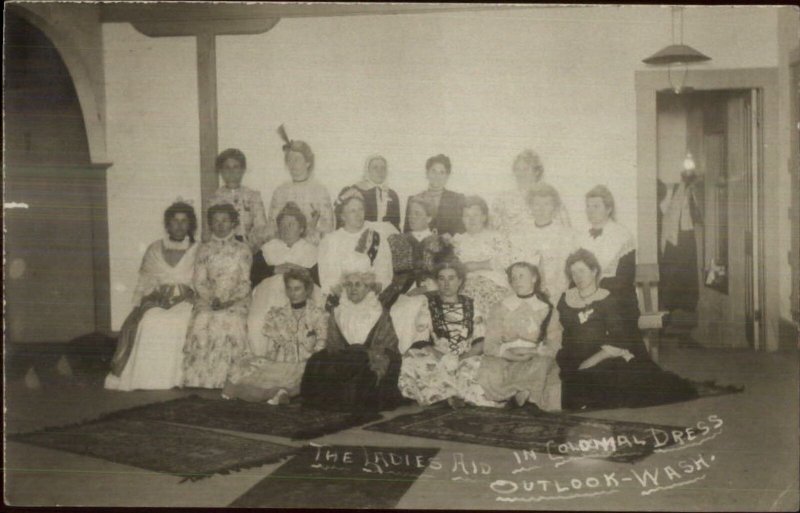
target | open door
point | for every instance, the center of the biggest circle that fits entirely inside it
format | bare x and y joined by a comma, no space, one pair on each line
721,129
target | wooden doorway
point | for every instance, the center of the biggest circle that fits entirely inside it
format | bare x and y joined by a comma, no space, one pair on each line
720,129
57,273
765,81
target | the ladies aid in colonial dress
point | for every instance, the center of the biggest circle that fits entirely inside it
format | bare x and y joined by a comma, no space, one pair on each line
149,353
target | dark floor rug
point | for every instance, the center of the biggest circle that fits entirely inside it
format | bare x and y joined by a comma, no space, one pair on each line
323,477
162,447
532,429
712,389
290,421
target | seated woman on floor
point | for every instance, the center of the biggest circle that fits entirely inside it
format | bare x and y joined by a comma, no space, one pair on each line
523,335
292,333
485,254
442,361
149,353
289,251
357,371
604,363
218,332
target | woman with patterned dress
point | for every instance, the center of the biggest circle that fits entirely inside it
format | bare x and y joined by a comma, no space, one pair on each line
511,213
289,251
523,335
413,254
149,353
615,248
485,253
292,333
444,361
604,363
252,229
381,204
218,331
448,205
357,235
357,371
546,243
303,190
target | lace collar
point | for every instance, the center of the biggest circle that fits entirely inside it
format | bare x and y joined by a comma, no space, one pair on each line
225,239
574,299
422,235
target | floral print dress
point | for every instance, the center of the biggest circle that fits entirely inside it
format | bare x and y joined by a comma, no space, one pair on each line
429,376
490,286
218,338
292,333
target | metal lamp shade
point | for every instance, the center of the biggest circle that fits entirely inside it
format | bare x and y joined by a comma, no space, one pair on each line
676,54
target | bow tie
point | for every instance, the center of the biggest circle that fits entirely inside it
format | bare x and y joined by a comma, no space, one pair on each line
595,232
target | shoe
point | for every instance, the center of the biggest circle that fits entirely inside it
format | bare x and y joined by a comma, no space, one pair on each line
282,397
521,397
456,402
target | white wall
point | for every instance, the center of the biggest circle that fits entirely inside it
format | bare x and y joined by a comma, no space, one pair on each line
153,142
479,87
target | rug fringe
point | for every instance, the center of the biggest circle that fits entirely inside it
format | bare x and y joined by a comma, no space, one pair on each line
349,422
266,460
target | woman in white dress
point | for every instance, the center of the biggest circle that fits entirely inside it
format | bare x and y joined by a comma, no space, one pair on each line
311,196
511,213
485,253
149,354
289,251
357,235
546,243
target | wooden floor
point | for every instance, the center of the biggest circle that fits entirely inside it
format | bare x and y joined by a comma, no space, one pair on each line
752,462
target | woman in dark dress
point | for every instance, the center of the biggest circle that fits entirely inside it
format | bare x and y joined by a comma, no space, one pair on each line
381,204
359,367
448,205
604,363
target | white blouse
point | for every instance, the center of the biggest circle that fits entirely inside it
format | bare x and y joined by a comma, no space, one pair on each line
336,247
302,253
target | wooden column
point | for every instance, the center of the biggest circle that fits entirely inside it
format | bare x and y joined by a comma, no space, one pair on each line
207,109
204,22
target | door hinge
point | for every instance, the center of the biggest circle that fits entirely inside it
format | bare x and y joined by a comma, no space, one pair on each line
757,315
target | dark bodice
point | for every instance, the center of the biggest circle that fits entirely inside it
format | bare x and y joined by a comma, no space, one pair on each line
602,324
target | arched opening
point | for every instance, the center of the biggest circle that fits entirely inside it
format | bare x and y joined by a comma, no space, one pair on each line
56,224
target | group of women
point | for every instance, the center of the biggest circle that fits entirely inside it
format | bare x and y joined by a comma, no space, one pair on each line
329,301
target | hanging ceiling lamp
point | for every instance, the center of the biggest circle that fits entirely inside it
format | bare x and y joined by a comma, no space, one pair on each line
676,55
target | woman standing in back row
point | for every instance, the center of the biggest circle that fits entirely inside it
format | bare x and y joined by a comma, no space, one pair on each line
311,196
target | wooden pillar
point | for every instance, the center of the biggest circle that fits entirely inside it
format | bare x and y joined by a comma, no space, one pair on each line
207,109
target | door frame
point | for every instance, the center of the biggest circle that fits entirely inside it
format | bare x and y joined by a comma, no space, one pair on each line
648,83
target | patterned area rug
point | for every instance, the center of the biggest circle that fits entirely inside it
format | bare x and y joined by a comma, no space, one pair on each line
291,420
180,450
347,477
525,429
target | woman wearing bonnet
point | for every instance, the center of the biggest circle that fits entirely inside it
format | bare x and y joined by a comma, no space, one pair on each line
381,204
359,367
